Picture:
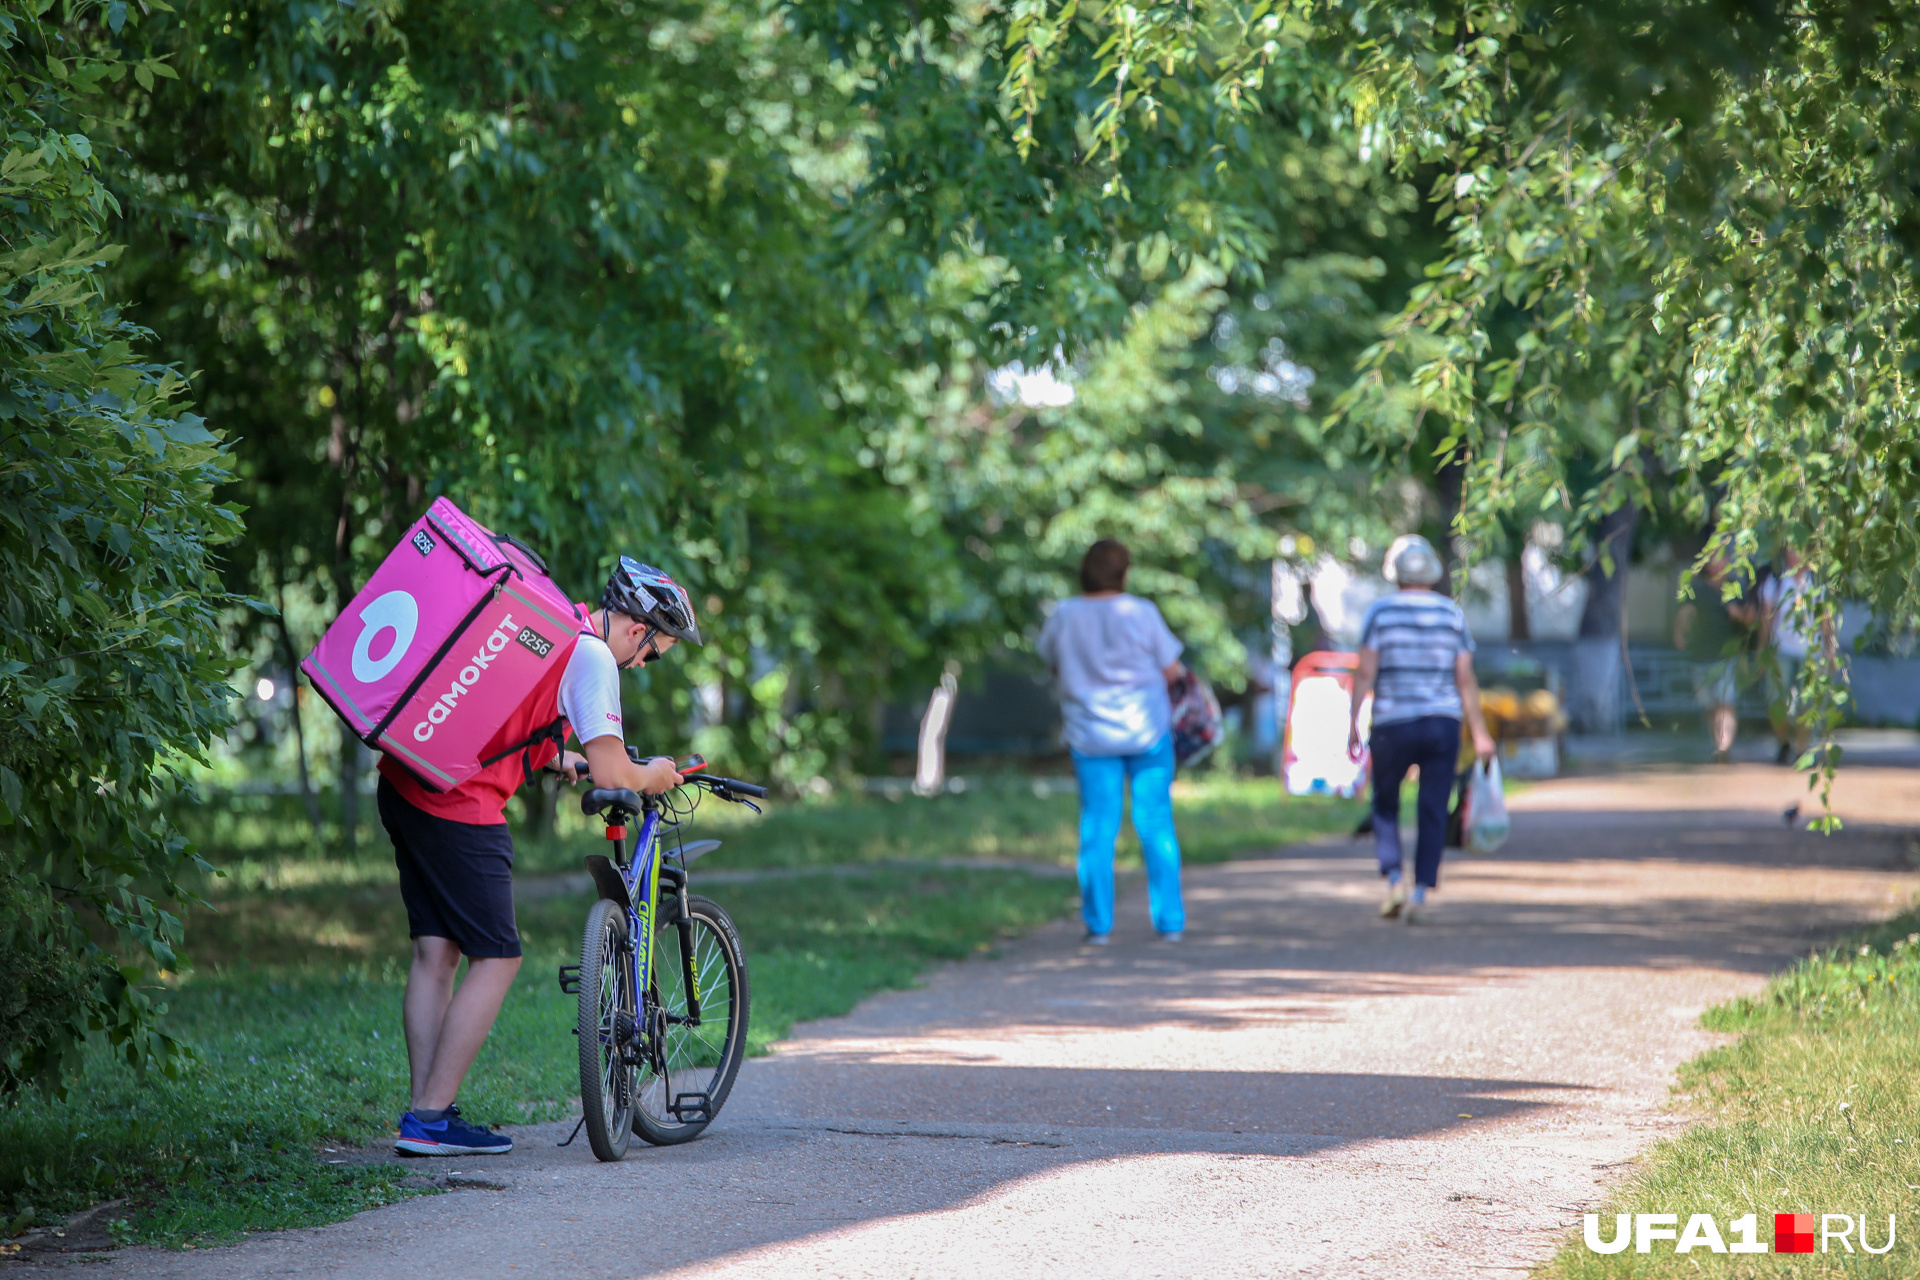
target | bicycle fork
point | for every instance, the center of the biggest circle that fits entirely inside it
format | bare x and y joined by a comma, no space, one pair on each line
683,925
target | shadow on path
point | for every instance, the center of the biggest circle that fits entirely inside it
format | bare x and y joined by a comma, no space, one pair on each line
1471,1082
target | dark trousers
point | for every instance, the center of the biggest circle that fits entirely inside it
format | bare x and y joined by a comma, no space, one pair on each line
1433,743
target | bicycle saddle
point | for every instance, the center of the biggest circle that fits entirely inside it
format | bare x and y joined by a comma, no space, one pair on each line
601,799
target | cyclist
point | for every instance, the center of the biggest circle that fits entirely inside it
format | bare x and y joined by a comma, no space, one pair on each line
455,852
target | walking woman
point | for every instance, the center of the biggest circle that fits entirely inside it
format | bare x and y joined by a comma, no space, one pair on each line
1416,659
1114,658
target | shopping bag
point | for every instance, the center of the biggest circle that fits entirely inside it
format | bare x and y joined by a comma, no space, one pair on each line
1197,727
1486,821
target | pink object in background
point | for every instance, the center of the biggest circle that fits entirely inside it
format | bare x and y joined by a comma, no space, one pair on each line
446,640
1314,759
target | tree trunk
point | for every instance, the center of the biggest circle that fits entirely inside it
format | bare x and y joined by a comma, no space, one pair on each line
350,757
540,806
1599,653
307,797
1518,625
1447,482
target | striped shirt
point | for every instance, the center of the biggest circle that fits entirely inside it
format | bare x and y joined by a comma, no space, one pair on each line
1417,634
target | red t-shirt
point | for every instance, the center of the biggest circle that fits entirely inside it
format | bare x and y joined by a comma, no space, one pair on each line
482,799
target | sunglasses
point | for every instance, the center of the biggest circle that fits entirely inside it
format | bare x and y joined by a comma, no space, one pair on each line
649,649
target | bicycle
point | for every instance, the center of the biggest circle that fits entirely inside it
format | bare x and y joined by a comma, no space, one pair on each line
639,1055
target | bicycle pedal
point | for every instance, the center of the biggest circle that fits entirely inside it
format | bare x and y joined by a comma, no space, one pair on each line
570,979
689,1108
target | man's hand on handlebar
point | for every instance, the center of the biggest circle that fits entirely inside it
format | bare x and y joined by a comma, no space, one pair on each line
572,766
661,774
607,765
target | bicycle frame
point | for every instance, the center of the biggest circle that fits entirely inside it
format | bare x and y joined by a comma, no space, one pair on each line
638,891
640,875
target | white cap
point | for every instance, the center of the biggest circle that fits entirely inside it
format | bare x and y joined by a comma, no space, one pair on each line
1412,562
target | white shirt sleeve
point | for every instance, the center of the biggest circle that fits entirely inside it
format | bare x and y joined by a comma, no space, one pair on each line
1049,639
590,692
1165,646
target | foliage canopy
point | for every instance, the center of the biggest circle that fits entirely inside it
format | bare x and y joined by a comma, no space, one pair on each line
717,284
1681,241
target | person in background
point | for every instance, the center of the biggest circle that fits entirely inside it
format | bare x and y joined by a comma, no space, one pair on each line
1114,658
1781,630
1718,635
1309,635
1416,660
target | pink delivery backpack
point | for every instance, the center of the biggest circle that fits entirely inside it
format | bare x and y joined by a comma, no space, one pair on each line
446,640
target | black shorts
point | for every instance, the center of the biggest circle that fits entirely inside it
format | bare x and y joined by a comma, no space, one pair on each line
456,878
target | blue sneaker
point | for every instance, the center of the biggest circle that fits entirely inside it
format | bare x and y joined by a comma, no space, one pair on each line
448,1136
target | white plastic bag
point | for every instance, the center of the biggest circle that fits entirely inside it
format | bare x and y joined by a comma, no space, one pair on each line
1486,825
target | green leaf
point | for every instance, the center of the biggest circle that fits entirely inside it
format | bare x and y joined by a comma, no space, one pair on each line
189,429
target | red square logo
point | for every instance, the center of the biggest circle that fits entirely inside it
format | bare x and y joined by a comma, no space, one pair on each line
1793,1233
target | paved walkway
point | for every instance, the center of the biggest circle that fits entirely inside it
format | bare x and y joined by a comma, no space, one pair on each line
1301,1089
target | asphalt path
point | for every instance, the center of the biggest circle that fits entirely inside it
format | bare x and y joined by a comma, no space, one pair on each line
1299,1089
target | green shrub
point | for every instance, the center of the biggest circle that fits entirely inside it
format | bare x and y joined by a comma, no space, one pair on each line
112,662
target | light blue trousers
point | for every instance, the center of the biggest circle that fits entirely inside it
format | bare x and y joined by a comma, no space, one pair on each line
1104,781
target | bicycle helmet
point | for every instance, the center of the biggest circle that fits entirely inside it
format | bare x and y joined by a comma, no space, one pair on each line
642,591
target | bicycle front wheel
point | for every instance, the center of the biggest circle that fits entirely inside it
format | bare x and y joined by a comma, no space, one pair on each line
690,1067
609,1031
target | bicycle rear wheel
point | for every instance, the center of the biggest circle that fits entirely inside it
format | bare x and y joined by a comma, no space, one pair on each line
608,1027
689,1070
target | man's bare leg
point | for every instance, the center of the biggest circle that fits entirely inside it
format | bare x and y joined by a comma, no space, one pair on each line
424,1009
468,1017
1726,724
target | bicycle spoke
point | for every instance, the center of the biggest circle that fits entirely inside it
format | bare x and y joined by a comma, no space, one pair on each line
686,1059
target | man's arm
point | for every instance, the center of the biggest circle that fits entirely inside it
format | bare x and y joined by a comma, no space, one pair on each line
1469,685
1683,620
1770,602
1363,679
606,759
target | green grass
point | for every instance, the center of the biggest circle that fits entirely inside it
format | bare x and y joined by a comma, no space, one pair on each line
264,841
294,1004
1815,1109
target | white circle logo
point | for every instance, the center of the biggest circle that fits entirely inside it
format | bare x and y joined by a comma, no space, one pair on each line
395,612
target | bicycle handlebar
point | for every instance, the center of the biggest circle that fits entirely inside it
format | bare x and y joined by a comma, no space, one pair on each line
724,786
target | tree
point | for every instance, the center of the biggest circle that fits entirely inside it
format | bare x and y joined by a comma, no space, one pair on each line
1199,289
695,303
112,661
1681,238
578,268
1712,225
